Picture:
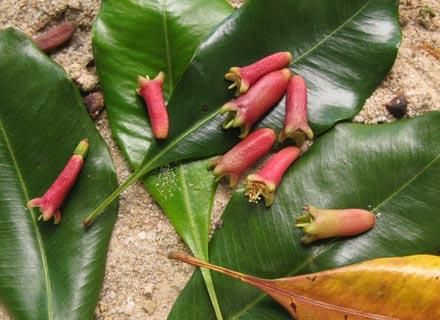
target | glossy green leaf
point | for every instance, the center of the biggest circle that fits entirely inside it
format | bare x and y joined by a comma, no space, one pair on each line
134,37
185,192
343,48
47,271
393,170
157,35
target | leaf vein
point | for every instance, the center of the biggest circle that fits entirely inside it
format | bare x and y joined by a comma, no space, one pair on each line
331,34
167,44
34,223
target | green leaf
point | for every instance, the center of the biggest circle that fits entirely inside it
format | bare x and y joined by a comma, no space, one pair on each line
186,193
392,170
158,35
343,49
47,271
133,38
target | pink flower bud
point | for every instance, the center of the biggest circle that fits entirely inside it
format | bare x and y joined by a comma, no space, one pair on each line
243,155
266,180
247,109
326,223
245,77
296,126
51,202
151,91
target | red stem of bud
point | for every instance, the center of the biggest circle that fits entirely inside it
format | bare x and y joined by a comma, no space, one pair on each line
151,91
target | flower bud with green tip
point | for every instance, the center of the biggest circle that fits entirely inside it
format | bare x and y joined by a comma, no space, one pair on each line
326,223
243,155
266,180
247,109
296,125
52,200
243,78
151,91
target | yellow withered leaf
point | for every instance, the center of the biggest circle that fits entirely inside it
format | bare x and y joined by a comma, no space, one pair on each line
405,288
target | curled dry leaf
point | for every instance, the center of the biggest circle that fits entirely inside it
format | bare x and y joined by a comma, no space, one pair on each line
404,288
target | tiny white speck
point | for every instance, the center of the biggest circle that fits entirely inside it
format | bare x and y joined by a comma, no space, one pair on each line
142,235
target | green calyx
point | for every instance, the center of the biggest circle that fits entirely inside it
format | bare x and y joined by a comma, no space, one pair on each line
82,148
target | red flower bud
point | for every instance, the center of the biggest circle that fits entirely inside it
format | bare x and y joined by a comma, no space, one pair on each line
151,91
267,179
243,155
50,203
55,36
326,223
245,77
247,109
295,121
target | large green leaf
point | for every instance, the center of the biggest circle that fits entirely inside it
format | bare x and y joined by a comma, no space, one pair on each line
134,37
343,48
393,170
186,193
170,32
145,37
47,271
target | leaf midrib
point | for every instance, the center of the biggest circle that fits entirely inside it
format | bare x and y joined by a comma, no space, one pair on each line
320,42
332,242
189,210
34,223
167,44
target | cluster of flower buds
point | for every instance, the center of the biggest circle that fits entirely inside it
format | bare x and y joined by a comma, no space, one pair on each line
260,86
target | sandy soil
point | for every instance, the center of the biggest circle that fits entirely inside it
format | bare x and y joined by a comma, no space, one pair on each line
140,282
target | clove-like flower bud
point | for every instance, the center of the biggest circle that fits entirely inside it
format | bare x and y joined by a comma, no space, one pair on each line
243,155
296,125
243,78
266,180
247,109
325,223
151,91
51,202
